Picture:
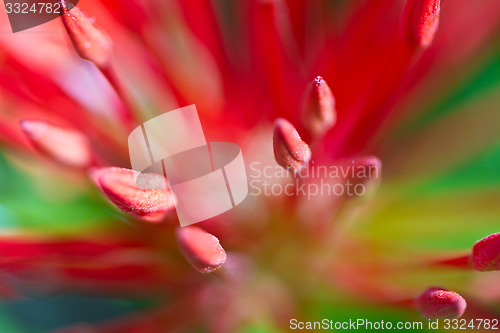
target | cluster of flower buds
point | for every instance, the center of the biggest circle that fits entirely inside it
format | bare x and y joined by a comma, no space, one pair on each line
318,119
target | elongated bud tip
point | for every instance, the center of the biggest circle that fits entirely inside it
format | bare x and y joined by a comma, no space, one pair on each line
368,170
91,42
65,146
201,249
289,150
486,253
318,107
365,175
438,303
148,204
420,21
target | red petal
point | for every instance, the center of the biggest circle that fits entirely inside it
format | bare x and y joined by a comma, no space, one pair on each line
290,151
90,42
65,146
108,263
318,107
119,185
201,249
438,303
486,253
28,247
420,21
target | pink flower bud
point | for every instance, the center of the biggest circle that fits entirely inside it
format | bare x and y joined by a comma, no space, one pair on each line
289,150
91,42
486,253
318,108
363,175
367,171
438,303
201,249
420,21
65,146
149,204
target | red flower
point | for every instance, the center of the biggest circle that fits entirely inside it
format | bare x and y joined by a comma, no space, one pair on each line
246,65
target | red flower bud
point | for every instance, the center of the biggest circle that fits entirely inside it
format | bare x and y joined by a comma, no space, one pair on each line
289,150
149,204
318,107
65,146
201,249
486,253
91,42
438,303
420,21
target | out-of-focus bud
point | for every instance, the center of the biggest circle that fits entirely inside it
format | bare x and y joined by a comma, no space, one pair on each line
201,249
486,253
65,146
318,108
149,204
438,303
366,171
420,21
91,42
289,150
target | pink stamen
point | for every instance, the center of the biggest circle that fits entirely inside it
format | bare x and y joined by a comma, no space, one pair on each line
486,253
91,42
438,303
66,146
420,21
289,150
201,249
318,107
148,204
